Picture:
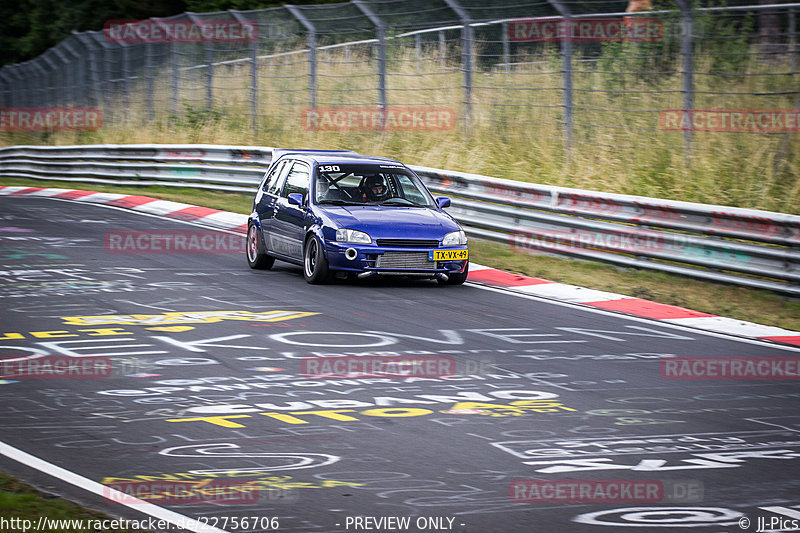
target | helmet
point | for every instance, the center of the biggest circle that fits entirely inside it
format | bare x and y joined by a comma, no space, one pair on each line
375,188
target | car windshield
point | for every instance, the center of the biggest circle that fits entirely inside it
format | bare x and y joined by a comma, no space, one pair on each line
388,185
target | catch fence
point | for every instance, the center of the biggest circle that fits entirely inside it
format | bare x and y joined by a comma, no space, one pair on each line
590,74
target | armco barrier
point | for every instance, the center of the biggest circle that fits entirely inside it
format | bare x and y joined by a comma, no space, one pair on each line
728,244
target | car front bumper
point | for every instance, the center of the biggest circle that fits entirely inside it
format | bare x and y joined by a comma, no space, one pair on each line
359,258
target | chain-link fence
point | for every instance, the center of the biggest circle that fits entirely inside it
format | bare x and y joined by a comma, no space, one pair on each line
595,73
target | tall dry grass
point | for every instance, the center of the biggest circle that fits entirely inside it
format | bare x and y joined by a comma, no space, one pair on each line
515,129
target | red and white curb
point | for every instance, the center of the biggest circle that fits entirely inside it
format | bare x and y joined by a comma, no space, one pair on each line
480,274
206,216
630,305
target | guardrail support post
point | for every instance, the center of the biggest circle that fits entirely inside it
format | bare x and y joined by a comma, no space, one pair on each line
312,53
380,28
466,56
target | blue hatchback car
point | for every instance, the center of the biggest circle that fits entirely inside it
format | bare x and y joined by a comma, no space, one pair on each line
341,212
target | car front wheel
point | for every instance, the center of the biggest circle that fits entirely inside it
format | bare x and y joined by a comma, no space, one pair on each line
254,249
315,266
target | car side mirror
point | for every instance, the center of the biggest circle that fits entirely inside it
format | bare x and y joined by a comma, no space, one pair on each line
443,201
295,198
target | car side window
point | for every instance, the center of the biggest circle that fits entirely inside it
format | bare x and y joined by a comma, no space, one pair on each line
297,180
272,177
277,183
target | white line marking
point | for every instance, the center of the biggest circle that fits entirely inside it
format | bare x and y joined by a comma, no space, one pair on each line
652,321
184,522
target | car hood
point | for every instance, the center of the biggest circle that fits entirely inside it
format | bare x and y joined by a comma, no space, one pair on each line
388,222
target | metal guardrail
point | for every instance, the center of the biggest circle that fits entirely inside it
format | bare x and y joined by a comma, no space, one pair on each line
734,245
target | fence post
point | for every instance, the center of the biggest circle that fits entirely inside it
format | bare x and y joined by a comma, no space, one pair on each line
5,93
253,72
566,76
39,94
64,93
687,67
77,71
312,53
93,98
149,74
381,30
174,77
175,73
442,49
792,39
23,84
506,47
126,85
18,93
466,56
209,62
50,99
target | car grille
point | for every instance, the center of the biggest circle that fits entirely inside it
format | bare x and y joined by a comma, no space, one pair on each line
417,260
408,243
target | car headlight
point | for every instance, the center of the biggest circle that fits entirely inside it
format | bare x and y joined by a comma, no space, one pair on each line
455,238
351,235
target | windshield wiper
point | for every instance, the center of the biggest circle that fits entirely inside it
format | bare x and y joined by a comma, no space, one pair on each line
338,202
403,202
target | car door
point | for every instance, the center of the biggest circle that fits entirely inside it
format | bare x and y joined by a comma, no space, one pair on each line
289,224
267,196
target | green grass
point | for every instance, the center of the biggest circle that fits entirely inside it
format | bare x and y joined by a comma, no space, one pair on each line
743,303
21,501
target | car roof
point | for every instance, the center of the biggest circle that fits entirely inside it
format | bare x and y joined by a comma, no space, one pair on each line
332,156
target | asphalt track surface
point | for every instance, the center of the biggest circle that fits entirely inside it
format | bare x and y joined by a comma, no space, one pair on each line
211,407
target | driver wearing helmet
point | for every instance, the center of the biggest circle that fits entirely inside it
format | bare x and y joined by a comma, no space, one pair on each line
375,189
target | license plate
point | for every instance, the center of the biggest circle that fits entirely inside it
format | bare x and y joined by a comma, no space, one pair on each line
448,255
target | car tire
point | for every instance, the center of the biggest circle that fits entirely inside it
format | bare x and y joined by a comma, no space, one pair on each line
254,250
456,279
315,266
